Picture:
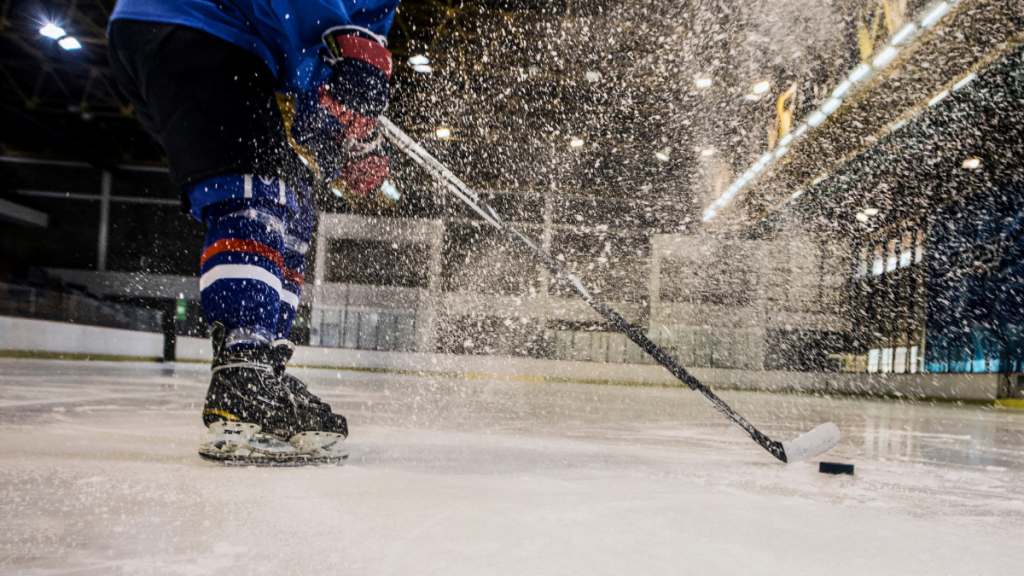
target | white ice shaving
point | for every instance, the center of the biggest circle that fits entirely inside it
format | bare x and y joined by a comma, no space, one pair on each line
815,442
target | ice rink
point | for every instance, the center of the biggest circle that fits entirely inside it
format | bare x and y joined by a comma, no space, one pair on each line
99,475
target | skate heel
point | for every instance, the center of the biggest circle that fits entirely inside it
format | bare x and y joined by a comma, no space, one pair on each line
228,440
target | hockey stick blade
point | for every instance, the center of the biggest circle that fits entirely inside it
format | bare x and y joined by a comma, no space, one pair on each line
816,442
811,444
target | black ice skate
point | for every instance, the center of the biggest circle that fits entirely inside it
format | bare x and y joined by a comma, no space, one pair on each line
253,417
281,353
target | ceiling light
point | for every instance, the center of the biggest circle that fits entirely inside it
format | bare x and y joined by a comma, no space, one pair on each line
797,194
419,60
786,140
871,211
51,30
423,69
818,180
965,81
972,163
593,76
69,43
862,217
753,97
935,15
938,98
443,133
816,118
781,151
761,87
576,143
703,82
707,152
831,106
885,57
841,89
661,156
898,125
337,192
800,131
859,72
902,34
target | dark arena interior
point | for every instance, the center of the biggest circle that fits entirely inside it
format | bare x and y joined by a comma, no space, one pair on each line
812,209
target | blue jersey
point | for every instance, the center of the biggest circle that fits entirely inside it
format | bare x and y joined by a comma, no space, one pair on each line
284,33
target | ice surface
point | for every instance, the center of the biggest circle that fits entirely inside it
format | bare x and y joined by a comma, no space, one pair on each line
99,474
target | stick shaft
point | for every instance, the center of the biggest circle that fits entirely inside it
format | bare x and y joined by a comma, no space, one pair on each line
416,152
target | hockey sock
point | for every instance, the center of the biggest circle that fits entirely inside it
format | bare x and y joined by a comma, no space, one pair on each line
241,272
296,242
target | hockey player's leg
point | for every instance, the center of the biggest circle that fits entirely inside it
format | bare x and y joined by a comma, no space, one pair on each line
252,415
297,235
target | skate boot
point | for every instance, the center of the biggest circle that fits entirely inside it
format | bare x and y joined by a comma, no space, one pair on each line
253,418
281,353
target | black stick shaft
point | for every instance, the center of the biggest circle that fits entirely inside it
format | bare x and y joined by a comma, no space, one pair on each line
436,169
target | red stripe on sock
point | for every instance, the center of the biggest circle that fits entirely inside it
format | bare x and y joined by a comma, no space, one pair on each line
234,245
293,275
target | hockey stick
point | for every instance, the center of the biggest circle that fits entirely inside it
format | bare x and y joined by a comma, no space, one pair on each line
811,444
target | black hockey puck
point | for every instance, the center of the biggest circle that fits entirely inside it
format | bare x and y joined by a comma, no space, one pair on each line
835,468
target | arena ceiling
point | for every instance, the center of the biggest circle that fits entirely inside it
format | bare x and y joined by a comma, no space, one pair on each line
517,82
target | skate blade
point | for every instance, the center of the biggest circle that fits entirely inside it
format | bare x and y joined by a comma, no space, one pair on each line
244,444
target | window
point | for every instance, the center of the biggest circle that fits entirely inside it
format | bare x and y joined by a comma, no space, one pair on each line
890,260
862,263
873,360
906,249
913,359
878,264
900,365
919,248
886,360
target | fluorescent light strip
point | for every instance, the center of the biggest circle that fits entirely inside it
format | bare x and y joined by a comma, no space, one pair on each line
859,72
902,34
885,57
965,81
938,98
935,15
831,106
841,89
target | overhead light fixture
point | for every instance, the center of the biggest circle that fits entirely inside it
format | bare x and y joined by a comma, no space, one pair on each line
938,98
899,125
703,82
935,14
786,140
797,194
707,152
800,131
902,34
761,87
965,81
69,43
443,133
781,151
841,89
51,30
871,211
661,156
816,118
862,217
859,72
885,57
576,143
337,192
972,163
419,60
818,180
423,69
753,97
831,106
593,76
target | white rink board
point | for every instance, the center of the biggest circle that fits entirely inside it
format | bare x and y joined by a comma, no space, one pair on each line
48,336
